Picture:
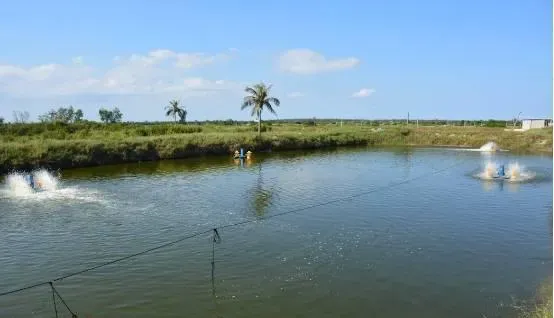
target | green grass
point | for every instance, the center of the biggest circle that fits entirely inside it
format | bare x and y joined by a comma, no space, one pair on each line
25,146
540,306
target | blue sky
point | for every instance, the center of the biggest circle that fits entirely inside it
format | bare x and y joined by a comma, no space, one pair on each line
347,59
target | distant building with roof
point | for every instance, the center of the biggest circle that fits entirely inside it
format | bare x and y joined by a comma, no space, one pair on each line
535,123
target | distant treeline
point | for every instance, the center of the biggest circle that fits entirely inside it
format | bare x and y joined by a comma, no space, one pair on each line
373,122
376,122
37,127
88,129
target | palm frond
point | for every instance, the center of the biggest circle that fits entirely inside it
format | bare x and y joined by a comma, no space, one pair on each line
254,111
274,101
169,112
250,90
269,107
247,102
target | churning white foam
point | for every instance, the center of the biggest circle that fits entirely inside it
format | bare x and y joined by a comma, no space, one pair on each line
17,185
489,146
47,187
45,180
513,173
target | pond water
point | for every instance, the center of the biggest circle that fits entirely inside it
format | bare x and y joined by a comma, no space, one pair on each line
417,235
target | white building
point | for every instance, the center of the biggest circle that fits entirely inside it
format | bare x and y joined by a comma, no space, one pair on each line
533,123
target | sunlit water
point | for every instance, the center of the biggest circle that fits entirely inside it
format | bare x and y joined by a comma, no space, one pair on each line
445,245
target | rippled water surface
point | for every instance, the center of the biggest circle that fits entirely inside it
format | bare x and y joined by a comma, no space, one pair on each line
445,244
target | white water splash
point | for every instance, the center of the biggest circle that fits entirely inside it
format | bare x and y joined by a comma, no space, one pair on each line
45,180
485,149
489,147
17,185
490,170
47,187
514,172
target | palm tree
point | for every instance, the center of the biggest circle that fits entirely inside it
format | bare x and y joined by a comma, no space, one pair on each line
174,109
258,98
183,116
262,197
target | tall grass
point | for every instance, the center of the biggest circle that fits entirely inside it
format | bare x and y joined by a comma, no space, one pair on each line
540,306
24,146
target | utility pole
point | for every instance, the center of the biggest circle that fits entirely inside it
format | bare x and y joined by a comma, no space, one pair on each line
517,119
408,119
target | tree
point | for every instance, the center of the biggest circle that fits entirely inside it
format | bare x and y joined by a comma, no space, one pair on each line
174,109
183,116
78,115
20,117
1,120
259,98
110,116
62,115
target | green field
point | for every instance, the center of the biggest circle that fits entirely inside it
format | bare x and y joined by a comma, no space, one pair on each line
60,145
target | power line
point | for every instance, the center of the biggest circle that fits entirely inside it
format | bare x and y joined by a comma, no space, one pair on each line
393,184
106,263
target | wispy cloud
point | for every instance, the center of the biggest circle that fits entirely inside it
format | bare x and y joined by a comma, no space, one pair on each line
305,62
364,92
159,71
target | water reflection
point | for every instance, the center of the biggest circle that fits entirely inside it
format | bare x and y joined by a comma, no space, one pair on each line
262,197
195,164
490,185
245,163
405,162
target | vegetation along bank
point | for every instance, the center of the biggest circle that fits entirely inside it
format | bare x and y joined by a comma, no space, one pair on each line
58,145
63,139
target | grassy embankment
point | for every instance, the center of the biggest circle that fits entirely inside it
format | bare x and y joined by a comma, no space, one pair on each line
25,146
541,306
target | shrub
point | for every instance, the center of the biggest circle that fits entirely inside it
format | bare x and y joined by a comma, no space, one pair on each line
405,132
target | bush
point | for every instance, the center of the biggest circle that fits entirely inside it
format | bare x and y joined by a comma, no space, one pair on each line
405,132
495,123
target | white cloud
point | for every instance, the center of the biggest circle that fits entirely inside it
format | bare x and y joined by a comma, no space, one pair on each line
159,71
305,61
364,92
295,94
77,60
